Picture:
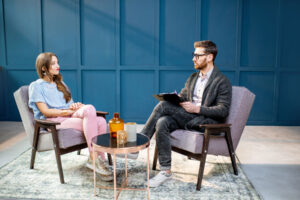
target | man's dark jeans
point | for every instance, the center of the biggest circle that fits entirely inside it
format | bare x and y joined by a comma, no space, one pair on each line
164,119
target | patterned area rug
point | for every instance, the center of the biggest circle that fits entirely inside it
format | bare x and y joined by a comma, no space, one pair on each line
18,181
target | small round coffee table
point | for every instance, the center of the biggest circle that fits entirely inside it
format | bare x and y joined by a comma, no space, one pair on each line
104,143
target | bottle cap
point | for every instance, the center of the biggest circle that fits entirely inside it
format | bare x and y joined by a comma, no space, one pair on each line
116,115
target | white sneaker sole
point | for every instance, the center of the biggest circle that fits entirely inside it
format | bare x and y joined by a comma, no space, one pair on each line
106,178
156,185
101,172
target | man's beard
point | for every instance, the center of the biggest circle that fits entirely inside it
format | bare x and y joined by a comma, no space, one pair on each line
203,65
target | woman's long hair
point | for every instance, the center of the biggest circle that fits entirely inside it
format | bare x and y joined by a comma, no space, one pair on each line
42,64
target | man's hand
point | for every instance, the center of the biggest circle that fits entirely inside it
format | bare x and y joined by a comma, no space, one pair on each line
190,107
76,106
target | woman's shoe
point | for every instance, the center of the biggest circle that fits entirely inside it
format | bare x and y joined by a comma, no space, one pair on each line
106,178
105,164
100,167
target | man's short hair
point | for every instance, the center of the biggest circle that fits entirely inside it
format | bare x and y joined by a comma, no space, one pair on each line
209,46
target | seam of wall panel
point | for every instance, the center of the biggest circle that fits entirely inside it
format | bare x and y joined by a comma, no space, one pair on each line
117,33
77,35
38,30
159,29
82,61
2,39
118,55
78,8
156,33
40,39
204,16
5,92
4,32
238,41
198,19
4,72
42,26
277,63
157,15
81,34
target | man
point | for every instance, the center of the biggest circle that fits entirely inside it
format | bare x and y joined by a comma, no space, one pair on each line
206,100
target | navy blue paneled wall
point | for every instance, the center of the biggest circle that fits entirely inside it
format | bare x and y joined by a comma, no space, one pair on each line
115,54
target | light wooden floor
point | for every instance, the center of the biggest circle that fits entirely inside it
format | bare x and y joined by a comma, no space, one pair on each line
270,156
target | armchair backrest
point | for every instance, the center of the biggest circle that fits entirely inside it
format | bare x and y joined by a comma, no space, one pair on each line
21,98
241,104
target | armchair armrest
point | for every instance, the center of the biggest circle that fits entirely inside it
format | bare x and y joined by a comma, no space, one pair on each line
46,122
215,125
101,113
215,129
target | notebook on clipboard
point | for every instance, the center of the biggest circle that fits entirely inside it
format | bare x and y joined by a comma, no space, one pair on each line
170,97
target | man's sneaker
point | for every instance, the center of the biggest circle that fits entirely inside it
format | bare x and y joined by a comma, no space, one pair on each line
160,178
132,156
100,167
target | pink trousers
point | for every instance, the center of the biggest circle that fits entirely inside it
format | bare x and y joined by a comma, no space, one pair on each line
84,119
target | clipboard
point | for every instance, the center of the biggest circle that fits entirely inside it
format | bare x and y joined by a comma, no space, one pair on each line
170,97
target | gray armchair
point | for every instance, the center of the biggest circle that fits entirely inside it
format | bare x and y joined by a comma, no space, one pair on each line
218,139
44,136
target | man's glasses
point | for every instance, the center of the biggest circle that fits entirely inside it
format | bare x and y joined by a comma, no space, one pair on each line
198,55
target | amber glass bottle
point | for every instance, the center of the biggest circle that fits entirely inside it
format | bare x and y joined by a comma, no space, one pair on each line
115,124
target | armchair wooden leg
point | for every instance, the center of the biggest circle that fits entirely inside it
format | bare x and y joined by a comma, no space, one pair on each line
57,154
33,152
34,144
201,171
155,158
203,159
59,166
231,151
109,159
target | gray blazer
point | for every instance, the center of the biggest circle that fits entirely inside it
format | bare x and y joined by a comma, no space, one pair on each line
216,99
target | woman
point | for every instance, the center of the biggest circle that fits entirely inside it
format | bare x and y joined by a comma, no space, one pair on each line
50,99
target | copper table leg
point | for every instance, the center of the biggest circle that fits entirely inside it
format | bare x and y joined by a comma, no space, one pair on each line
120,150
115,178
126,169
94,165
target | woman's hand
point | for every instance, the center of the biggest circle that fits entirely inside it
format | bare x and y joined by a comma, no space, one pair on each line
65,113
190,107
49,113
76,106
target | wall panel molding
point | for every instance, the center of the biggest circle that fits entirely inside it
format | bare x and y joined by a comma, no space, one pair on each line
2,63
115,54
61,31
20,35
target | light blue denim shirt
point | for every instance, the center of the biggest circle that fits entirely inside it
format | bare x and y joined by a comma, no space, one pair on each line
45,92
